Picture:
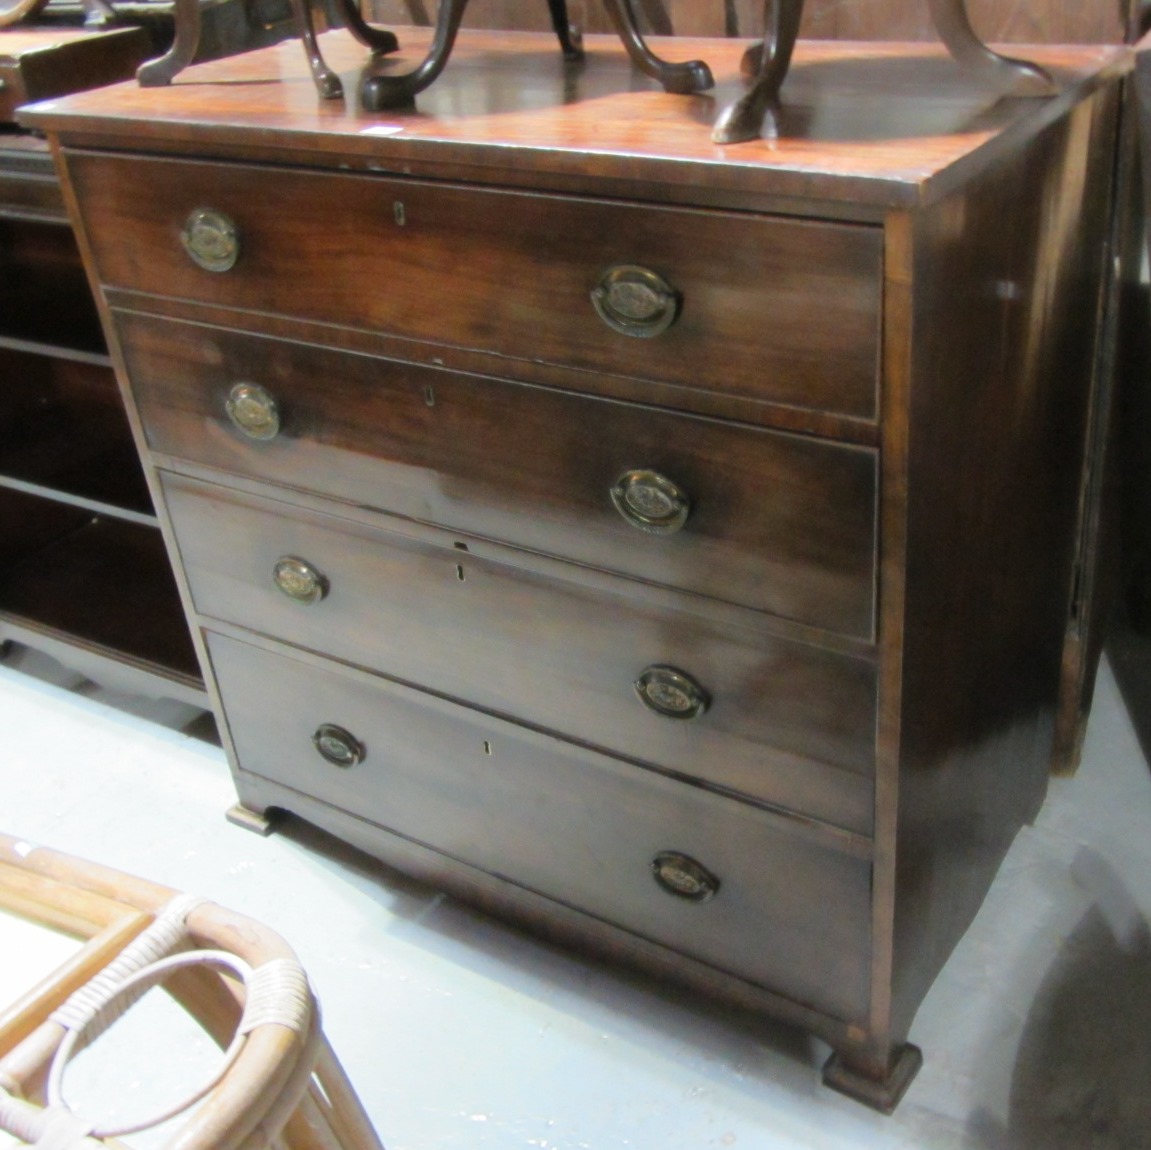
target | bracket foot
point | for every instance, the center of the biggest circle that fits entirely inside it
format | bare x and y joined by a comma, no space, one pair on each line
882,1094
249,820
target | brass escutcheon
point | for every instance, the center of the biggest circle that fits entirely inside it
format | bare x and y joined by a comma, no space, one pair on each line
211,240
339,747
671,693
635,301
253,410
681,875
650,501
299,580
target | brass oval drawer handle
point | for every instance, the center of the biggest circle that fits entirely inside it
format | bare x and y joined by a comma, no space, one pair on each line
299,580
635,301
339,747
651,501
671,693
681,875
211,240
253,409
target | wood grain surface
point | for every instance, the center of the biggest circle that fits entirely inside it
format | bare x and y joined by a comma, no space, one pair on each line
770,309
509,800
778,522
869,125
787,723
931,541
1027,21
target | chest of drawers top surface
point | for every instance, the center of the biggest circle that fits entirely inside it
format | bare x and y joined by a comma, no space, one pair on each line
870,125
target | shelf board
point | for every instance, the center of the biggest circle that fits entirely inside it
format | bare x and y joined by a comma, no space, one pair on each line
29,189
106,591
96,506
102,475
55,351
45,299
29,325
64,435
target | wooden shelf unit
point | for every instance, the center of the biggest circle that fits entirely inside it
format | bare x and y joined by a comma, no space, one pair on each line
84,575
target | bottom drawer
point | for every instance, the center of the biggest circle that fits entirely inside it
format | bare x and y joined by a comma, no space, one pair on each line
748,891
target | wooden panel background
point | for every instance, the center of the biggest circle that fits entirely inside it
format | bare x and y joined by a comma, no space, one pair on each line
1022,21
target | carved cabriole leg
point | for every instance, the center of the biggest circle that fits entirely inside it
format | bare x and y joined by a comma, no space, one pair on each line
767,63
1004,74
326,81
157,73
379,92
878,1083
384,91
692,76
379,40
568,35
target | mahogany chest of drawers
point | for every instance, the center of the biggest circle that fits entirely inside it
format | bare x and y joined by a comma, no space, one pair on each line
670,548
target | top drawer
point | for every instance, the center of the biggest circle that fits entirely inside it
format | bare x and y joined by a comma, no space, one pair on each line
768,308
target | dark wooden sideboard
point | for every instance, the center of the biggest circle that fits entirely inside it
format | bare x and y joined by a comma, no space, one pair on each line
1029,22
669,547
84,574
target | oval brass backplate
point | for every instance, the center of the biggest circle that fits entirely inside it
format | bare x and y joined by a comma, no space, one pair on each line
635,301
682,876
211,240
671,693
299,580
339,747
253,410
650,501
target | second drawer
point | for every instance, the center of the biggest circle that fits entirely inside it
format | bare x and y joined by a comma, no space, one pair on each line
778,522
558,647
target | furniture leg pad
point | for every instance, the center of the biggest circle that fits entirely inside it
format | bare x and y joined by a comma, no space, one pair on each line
240,816
882,1094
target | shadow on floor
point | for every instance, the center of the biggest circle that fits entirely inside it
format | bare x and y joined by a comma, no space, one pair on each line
1129,652
1082,1078
188,719
712,1035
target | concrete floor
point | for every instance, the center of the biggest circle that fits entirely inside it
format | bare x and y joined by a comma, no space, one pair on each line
460,1034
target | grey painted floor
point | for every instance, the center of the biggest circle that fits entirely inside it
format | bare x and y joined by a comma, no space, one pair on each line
459,1033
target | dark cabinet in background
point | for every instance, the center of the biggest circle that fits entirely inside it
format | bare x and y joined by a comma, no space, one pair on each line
84,575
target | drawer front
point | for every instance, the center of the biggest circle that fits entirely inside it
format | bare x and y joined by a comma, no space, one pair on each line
777,522
768,308
584,829
787,723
